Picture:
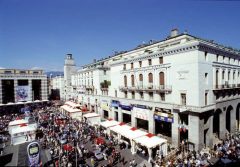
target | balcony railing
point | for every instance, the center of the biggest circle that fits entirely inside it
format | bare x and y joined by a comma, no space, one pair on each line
146,88
226,86
89,87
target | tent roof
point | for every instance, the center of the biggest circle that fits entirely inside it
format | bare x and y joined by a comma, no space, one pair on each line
72,104
22,129
120,129
18,122
107,124
150,141
69,109
89,115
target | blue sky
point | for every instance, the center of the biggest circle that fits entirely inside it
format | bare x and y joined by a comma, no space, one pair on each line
39,33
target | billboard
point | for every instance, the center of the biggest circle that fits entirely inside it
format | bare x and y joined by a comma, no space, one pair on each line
22,93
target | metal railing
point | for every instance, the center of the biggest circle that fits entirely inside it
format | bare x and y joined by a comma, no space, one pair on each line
146,88
226,86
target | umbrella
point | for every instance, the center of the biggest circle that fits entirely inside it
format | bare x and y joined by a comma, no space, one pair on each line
100,141
67,147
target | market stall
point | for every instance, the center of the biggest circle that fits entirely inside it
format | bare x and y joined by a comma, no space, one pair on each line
107,124
22,134
14,124
92,118
151,141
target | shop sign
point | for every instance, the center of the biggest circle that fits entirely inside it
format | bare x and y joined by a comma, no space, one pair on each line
115,103
162,118
140,113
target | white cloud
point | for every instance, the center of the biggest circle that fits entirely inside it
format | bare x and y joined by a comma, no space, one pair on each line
2,68
36,68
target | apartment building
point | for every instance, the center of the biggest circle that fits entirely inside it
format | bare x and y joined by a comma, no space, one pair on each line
183,88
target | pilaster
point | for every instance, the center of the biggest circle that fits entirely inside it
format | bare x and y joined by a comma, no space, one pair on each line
175,131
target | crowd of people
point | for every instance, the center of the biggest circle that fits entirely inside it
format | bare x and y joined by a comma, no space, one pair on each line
72,142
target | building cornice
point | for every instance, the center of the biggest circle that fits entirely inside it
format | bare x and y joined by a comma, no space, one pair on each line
191,46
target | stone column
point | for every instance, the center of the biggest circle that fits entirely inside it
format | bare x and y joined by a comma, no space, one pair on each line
233,119
133,120
209,135
222,121
175,131
196,132
30,90
1,91
120,117
15,83
151,122
44,89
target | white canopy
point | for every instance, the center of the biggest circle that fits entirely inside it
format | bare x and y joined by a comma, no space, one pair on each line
89,115
23,129
107,124
132,134
69,109
72,104
18,122
150,142
121,129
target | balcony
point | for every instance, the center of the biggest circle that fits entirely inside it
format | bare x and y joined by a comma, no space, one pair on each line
90,87
225,86
148,88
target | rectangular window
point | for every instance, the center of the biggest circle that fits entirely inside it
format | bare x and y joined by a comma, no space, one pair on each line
115,93
160,60
183,98
150,62
162,96
124,66
140,64
206,98
104,72
7,72
217,57
151,95
125,93
206,56
141,95
133,95
131,65
206,78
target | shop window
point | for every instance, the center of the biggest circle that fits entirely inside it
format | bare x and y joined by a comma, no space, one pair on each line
217,57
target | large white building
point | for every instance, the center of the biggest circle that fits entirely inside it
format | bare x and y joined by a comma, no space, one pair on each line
17,85
183,88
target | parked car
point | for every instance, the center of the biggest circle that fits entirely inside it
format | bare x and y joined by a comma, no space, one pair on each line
98,155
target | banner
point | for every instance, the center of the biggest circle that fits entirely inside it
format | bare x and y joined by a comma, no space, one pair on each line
141,113
22,93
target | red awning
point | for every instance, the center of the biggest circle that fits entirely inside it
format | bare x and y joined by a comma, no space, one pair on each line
133,128
150,135
122,123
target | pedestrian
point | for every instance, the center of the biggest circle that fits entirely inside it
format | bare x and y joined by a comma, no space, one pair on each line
92,162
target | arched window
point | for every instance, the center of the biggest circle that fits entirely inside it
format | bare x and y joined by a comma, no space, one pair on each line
140,77
132,80
161,78
125,81
150,78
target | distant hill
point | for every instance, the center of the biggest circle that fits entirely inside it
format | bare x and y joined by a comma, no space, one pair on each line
54,73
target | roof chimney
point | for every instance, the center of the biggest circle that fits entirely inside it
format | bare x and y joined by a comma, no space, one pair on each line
174,32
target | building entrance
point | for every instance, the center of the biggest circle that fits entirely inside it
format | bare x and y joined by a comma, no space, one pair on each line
142,124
